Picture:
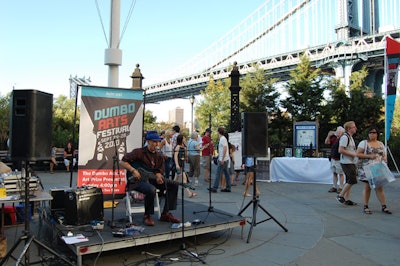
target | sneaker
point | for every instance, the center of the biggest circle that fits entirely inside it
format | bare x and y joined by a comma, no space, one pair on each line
168,217
212,190
332,190
350,203
225,190
340,199
147,220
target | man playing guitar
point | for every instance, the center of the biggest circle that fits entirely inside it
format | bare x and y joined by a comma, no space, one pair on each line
149,159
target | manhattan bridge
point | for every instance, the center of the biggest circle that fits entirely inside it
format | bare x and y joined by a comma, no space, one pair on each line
339,36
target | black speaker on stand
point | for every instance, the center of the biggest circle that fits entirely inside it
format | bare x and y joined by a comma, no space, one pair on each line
30,132
31,125
255,144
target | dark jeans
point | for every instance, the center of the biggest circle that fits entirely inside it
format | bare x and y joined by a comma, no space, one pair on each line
168,165
148,188
222,168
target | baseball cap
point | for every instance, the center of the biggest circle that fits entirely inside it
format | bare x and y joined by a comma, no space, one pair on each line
153,135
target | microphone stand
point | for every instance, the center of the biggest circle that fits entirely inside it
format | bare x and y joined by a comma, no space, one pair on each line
115,166
210,207
183,248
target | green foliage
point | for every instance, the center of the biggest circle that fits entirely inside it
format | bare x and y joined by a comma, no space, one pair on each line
305,98
396,119
63,121
216,104
151,124
4,120
258,93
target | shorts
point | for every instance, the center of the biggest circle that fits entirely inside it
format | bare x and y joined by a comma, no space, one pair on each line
206,161
336,167
350,170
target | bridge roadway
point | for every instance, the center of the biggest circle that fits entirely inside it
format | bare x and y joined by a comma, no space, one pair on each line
368,50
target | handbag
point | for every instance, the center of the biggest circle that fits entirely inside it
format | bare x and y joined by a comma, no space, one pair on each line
215,160
378,174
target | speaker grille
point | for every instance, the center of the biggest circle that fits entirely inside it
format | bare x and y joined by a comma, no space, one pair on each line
254,134
31,125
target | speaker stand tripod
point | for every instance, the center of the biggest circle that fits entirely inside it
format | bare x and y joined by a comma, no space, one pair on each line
27,236
256,204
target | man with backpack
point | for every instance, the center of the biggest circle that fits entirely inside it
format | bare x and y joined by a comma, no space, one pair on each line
348,160
333,140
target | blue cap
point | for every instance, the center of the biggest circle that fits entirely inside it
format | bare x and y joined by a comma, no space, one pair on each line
153,135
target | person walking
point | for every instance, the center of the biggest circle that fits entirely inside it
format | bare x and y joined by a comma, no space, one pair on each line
223,160
194,148
348,161
333,140
372,146
206,153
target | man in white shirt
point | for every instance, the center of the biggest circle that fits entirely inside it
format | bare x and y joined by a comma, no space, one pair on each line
223,162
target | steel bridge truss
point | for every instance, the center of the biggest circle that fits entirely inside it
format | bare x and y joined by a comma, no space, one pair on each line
368,49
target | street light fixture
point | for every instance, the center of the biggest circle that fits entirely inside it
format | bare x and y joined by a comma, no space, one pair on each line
191,100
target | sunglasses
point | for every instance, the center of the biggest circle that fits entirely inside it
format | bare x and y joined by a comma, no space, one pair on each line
373,132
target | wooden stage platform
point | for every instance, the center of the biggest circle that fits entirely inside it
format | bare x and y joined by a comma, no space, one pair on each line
104,240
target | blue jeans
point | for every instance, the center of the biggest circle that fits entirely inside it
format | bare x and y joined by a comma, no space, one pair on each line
222,168
168,164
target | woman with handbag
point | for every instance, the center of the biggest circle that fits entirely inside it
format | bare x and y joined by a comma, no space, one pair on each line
372,146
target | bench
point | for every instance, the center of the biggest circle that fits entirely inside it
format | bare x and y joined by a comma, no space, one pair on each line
5,158
38,165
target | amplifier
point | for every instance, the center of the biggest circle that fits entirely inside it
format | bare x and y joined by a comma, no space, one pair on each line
83,205
57,203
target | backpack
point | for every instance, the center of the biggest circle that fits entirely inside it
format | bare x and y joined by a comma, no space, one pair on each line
335,154
335,151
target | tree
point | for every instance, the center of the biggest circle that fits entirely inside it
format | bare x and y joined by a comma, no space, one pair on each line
4,120
360,104
149,121
216,103
63,121
366,108
258,93
305,92
396,119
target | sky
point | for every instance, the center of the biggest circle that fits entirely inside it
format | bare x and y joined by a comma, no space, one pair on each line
44,42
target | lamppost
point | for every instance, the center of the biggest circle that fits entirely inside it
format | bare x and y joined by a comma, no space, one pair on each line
191,100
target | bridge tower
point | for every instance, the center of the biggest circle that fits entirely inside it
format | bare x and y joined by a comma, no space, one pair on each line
350,26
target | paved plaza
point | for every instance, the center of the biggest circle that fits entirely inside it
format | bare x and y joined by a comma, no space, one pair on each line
321,231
